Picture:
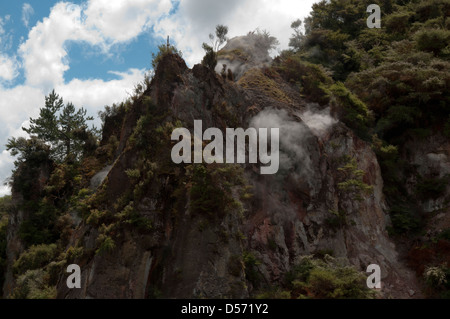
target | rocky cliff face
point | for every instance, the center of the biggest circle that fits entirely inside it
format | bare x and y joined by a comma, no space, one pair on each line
300,211
183,231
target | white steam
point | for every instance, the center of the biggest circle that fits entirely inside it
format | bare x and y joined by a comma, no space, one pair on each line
319,121
299,152
255,46
293,137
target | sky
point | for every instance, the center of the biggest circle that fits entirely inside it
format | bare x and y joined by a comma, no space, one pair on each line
94,52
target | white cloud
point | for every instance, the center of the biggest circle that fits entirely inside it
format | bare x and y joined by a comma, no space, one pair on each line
94,94
18,104
8,68
195,19
27,12
44,54
99,23
121,21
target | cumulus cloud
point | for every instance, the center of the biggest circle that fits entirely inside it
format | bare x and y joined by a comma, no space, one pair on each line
44,54
195,19
120,21
94,94
98,23
18,104
8,68
27,12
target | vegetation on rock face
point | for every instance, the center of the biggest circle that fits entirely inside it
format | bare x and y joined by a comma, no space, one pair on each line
393,81
322,278
389,86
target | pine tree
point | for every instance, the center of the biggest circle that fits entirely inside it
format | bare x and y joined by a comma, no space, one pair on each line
61,126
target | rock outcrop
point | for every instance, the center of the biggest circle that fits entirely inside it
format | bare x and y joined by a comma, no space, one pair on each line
299,211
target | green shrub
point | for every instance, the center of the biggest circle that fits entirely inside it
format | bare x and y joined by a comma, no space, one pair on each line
251,268
274,293
353,112
96,217
327,278
404,220
106,244
163,50
398,22
352,180
130,215
33,285
133,174
312,79
35,257
433,40
211,191
431,187
39,228
437,276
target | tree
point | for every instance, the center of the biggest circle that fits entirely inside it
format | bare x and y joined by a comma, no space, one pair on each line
62,127
210,58
220,38
297,38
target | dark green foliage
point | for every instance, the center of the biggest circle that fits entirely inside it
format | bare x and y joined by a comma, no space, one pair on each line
34,258
405,219
39,228
351,181
433,40
63,127
326,278
5,203
438,279
106,244
33,285
431,187
353,112
211,192
313,81
34,156
337,220
252,273
210,58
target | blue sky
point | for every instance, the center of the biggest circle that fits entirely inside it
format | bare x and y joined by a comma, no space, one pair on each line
93,52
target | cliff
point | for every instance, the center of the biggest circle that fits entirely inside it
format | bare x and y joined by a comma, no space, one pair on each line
144,227
250,230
